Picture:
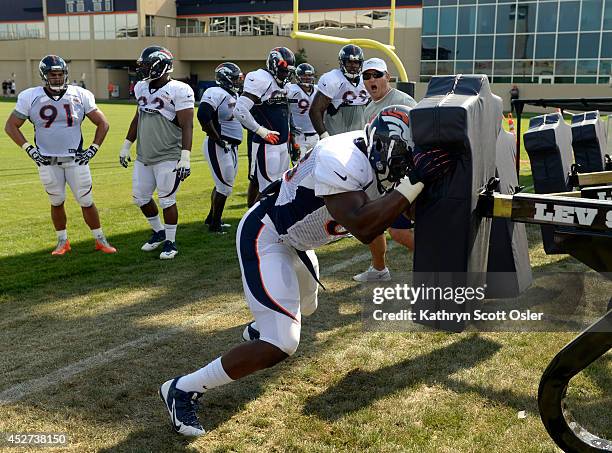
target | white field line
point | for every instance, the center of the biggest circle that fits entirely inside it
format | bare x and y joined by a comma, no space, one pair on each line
17,392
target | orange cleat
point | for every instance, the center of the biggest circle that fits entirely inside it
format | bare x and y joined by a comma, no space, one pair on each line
102,244
62,247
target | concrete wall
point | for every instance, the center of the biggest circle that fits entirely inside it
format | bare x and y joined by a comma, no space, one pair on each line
116,76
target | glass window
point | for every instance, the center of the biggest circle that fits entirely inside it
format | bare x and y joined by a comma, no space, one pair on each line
430,21
467,2
544,67
590,18
586,67
547,17
564,67
483,67
566,45
464,67
525,17
466,24
523,46
446,48
484,47
428,68
64,33
607,25
505,18
606,45
349,19
73,28
589,45
564,79
445,68
84,27
364,19
568,16
428,48
430,2
465,48
53,28
380,19
448,21
486,19
120,26
132,25
586,79
605,68
504,47
98,26
448,2
502,67
523,68
545,46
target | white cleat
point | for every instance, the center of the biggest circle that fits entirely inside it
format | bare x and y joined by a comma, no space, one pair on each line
157,239
373,275
169,251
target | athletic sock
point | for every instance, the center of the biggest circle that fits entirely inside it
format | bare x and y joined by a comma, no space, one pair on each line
62,235
97,233
211,376
170,232
155,223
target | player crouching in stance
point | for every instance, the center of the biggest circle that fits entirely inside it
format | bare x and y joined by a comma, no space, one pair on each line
224,134
357,182
57,110
163,125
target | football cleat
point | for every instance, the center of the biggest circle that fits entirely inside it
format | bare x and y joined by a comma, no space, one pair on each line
218,228
169,251
223,225
181,407
62,247
103,245
157,239
250,333
373,275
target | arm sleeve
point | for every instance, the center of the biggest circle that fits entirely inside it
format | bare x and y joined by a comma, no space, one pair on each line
23,105
184,99
242,111
89,101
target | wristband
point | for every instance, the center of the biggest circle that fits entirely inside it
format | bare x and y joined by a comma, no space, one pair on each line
185,154
26,145
127,144
324,135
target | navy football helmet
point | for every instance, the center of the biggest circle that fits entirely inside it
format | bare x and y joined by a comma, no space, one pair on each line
154,62
281,64
229,76
389,145
349,53
53,63
305,74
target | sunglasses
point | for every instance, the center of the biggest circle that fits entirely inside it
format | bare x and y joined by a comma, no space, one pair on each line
369,75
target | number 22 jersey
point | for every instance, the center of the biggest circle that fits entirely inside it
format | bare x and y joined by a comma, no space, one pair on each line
57,122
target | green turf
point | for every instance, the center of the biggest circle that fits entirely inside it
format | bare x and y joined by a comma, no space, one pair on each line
344,390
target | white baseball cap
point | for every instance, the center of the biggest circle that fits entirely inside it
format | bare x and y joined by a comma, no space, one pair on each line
376,64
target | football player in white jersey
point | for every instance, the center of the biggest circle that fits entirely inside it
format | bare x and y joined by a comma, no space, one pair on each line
341,98
356,182
57,110
163,126
301,95
224,134
262,108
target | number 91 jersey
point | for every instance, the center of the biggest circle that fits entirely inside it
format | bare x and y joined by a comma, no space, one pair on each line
57,123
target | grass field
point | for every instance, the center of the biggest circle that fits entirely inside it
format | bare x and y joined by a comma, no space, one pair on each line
86,339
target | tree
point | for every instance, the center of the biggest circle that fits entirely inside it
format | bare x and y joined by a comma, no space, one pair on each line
301,57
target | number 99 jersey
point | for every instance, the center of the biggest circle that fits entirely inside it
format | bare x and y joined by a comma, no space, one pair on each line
57,123
299,106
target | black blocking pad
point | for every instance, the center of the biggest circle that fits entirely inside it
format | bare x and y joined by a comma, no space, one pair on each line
589,141
509,268
460,114
548,142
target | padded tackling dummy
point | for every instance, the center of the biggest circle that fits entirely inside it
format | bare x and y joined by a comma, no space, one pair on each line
589,141
460,114
548,142
509,269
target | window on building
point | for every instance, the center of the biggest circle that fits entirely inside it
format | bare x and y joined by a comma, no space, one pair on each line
486,19
504,47
568,16
566,45
505,19
430,21
428,48
484,47
448,21
545,46
547,17
116,26
590,17
589,45
606,45
523,46
446,48
466,23
465,48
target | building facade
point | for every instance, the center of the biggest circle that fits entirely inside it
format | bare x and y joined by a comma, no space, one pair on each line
540,45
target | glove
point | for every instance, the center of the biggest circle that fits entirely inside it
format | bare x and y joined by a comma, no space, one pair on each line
83,157
124,154
269,136
183,167
226,146
35,154
429,165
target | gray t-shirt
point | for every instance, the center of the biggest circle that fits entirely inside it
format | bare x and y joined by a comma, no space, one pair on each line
393,97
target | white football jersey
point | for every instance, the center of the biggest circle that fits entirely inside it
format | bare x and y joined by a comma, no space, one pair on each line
223,102
57,123
273,111
335,165
299,106
341,91
167,100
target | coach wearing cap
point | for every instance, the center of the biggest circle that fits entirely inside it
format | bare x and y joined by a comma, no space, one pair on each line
376,81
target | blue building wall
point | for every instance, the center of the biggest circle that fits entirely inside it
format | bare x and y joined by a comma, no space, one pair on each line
59,6
22,10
